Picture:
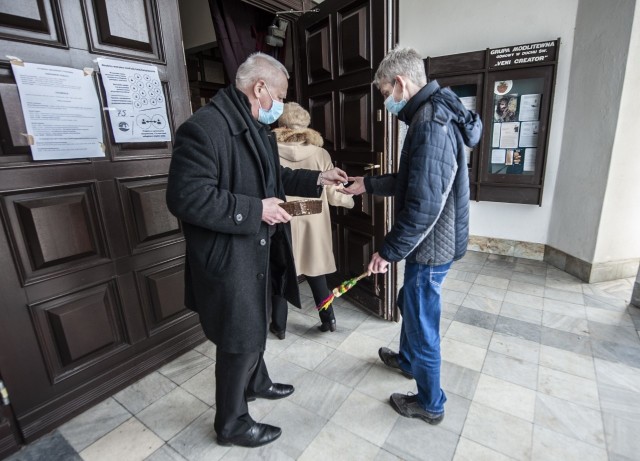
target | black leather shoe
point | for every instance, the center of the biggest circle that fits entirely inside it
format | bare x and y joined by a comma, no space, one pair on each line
326,326
408,406
259,434
390,359
279,334
276,391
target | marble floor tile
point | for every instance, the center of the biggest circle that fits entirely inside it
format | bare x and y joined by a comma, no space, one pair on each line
462,354
143,393
381,381
551,446
476,318
506,397
186,366
366,417
494,282
411,439
172,413
53,446
563,295
203,385
306,353
518,312
495,294
499,431
568,387
622,436
510,369
609,317
579,344
319,395
334,442
568,362
344,368
518,328
458,380
468,334
536,365
565,323
575,421
517,348
523,299
468,450
482,303
91,425
526,288
131,441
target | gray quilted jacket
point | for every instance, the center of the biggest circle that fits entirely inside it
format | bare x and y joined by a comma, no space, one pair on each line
431,187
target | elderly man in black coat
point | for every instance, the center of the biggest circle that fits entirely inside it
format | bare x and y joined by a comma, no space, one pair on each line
225,183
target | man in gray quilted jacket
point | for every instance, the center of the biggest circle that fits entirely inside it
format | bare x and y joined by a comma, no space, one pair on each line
431,228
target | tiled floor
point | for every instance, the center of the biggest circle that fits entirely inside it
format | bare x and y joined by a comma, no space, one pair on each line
536,366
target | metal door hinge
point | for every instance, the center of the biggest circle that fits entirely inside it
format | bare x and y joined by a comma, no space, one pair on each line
379,115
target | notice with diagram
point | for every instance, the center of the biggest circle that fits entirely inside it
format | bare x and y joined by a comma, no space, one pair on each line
61,111
137,108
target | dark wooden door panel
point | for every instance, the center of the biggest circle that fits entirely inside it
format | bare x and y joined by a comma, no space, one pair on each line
343,45
92,277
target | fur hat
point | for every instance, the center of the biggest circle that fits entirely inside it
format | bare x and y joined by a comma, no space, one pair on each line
294,116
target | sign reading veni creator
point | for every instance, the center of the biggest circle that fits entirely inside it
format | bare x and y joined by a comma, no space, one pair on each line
532,53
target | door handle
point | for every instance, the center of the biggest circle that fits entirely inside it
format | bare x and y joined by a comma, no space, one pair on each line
370,166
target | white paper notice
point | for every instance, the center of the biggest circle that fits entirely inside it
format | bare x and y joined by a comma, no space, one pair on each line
498,156
469,102
61,111
529,134
529,107
509,132
495,140
530,160
137,107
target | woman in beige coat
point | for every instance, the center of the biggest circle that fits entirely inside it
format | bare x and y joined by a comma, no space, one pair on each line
301,147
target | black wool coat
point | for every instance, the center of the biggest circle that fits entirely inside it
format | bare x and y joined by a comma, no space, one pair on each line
216,184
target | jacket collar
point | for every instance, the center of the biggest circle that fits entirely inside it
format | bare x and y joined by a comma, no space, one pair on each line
235,108
417,101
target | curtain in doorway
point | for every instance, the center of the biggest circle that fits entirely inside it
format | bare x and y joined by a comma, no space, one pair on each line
240,30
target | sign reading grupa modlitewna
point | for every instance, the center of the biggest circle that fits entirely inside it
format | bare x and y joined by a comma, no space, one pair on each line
61,111
136,104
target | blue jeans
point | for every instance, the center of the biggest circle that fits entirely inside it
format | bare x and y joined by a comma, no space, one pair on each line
419,303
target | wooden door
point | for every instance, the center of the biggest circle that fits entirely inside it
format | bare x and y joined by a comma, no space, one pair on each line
340,49
92,260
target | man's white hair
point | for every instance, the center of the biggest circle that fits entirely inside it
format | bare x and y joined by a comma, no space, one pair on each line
259,66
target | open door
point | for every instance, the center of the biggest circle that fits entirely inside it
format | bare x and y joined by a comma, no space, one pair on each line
339,51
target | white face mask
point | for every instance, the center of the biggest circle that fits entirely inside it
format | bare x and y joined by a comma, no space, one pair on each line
270,116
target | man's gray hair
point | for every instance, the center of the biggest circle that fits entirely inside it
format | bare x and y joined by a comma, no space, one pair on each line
259,66
401,61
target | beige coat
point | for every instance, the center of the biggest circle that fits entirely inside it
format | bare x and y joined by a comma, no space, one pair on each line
311,235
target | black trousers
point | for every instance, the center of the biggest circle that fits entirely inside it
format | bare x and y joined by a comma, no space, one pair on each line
237,374
320,291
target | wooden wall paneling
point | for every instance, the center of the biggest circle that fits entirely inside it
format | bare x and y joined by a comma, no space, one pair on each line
36,21
354,51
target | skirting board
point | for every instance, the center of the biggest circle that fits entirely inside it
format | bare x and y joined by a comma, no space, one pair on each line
585,271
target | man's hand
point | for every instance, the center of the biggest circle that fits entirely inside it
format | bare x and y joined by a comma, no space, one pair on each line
356,188
272,213
333,177
377,264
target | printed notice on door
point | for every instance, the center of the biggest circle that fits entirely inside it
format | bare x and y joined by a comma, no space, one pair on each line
61,111
137,107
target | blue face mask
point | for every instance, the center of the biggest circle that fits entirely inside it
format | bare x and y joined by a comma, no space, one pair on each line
270,116
394,107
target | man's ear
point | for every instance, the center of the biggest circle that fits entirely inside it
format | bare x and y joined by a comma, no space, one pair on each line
257,88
